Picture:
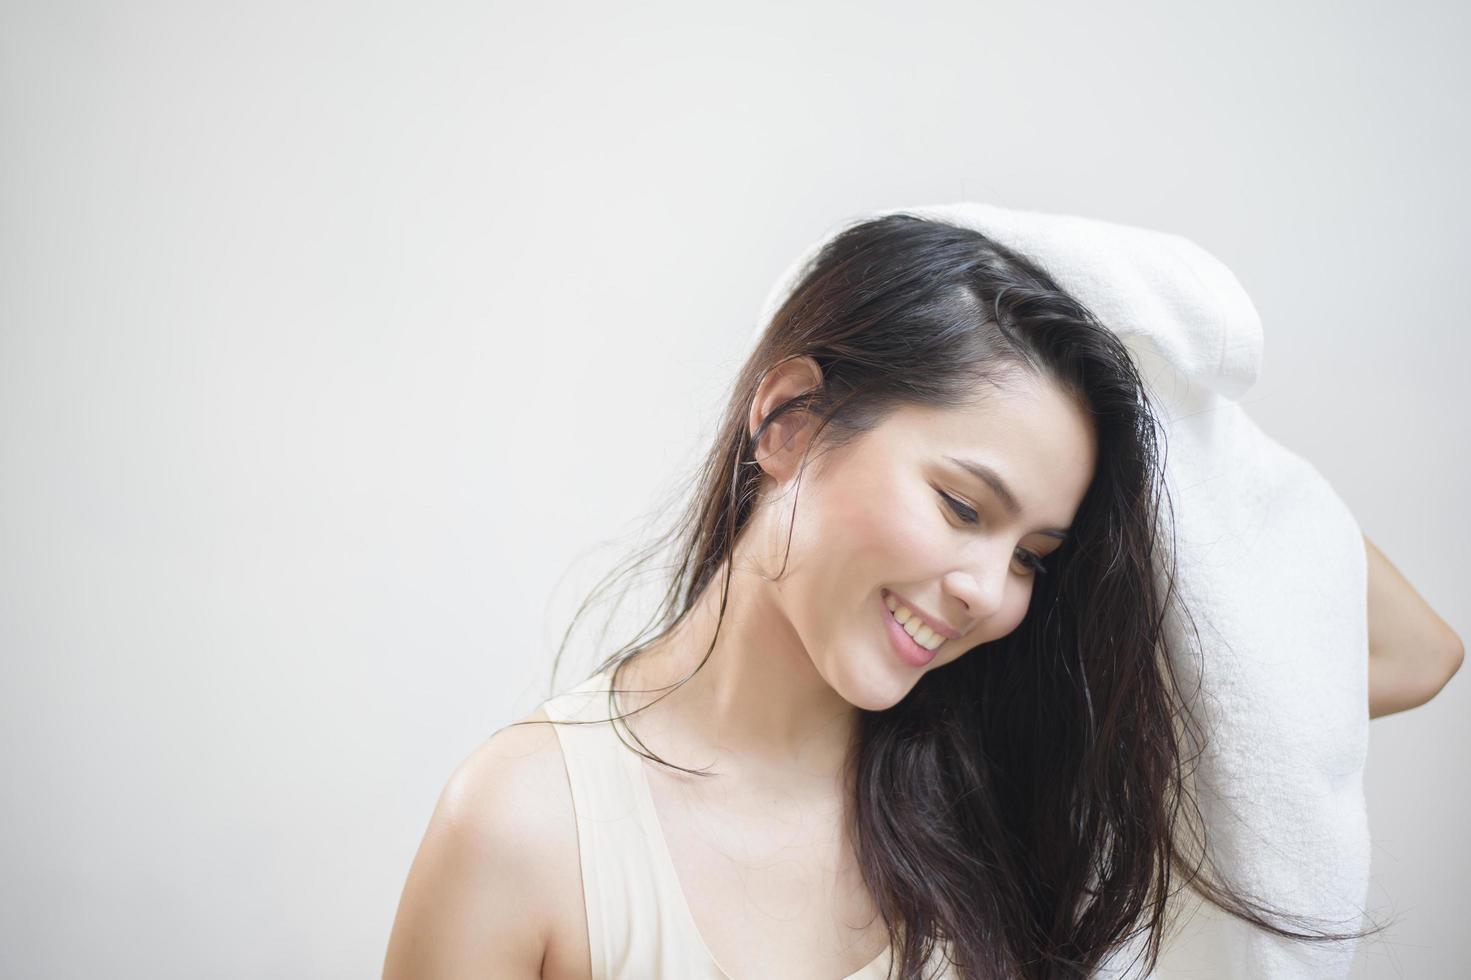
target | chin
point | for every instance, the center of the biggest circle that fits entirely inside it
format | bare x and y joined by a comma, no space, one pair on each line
876,691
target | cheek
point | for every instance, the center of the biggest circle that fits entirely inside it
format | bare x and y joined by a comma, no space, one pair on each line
1016,610
1009,618
884,530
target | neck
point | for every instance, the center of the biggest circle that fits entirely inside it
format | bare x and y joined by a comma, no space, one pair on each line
756,703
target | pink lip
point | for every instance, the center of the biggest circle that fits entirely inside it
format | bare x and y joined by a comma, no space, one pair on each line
938,625
910,651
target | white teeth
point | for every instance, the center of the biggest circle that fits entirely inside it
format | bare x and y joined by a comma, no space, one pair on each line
912,624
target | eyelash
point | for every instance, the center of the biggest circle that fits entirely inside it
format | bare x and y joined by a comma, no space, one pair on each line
1032,561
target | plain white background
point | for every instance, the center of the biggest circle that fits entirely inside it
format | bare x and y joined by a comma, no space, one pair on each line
336,337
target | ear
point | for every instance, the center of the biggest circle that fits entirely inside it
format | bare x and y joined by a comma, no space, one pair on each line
783,443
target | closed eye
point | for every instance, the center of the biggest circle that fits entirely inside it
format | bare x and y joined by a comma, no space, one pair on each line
961,510
1031,559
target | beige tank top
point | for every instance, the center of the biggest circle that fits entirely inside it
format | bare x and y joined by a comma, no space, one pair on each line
638,922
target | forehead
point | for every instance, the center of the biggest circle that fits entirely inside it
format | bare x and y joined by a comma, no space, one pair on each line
1020,410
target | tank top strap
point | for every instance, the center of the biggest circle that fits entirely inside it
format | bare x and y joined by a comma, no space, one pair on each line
635,918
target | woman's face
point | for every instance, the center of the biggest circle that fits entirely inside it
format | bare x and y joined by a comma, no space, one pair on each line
897,516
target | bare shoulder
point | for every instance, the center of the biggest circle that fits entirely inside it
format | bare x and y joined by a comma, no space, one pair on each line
512,783
488,891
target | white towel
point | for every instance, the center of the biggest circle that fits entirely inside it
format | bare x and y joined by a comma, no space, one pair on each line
1270,562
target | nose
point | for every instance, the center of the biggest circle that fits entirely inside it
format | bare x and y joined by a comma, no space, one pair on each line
981,588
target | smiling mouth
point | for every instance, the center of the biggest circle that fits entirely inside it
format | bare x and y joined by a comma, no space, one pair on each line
908,648
913,624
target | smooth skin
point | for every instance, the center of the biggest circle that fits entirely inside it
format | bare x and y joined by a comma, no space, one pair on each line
497,875
495,888
1413,653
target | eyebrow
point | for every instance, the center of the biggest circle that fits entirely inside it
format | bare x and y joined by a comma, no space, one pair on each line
998,486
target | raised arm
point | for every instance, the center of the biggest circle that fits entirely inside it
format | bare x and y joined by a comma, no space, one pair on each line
1412,651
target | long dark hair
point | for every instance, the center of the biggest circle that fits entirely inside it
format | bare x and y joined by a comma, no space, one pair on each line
1030,804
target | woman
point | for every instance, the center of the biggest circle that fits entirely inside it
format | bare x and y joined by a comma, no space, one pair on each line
906,710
